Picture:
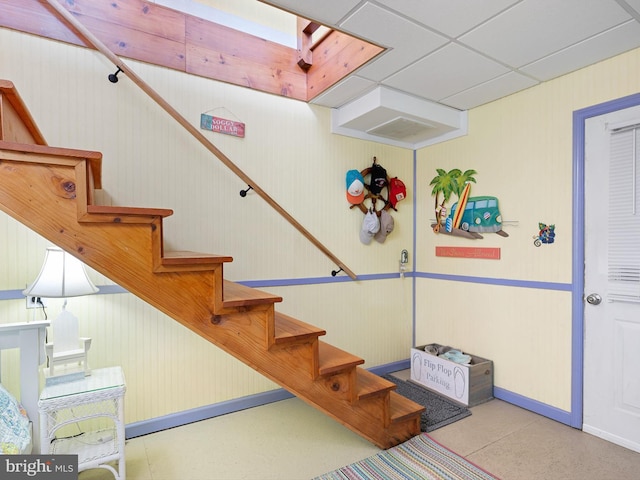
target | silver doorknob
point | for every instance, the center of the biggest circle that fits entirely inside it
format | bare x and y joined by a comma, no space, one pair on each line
594,299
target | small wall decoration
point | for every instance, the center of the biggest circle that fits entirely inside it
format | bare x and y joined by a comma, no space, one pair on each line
546,234
470,216
221,125
374,194
469,252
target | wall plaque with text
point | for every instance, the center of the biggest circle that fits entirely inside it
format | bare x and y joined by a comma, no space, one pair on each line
221,125
490,253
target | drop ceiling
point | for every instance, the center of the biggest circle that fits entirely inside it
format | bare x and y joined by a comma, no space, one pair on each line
444,57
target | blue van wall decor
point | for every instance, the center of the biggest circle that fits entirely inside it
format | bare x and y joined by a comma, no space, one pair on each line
481,214
469,216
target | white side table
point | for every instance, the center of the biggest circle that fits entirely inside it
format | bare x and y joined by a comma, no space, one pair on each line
95,398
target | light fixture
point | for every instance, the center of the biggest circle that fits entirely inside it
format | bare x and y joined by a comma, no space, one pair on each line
62,276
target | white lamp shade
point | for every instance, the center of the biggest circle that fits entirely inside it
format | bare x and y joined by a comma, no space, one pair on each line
62,276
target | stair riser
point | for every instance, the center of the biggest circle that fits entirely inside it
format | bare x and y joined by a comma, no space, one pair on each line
342,384
399,432
224,311
303,354
247,329
377,407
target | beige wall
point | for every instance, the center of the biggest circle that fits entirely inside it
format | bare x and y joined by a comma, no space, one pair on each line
521,147
149,160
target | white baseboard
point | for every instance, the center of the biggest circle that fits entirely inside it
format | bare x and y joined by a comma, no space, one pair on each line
623,442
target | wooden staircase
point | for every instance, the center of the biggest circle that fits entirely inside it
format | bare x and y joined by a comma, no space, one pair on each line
51,190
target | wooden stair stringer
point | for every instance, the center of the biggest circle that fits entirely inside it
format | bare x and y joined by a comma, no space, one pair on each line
328,393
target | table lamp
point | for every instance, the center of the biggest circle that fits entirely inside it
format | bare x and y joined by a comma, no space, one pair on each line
63,276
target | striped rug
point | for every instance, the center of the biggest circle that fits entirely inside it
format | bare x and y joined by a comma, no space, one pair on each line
419,458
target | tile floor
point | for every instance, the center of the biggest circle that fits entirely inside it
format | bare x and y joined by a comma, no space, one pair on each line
289,440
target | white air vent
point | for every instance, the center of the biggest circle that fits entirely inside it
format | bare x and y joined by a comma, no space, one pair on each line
395,118
402,128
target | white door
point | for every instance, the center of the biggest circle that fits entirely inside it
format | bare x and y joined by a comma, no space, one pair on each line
611,398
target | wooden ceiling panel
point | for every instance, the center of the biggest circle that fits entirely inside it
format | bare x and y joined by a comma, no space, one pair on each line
146,17
236,57
237,43
137,44
231,69
161,36
35,17
337,56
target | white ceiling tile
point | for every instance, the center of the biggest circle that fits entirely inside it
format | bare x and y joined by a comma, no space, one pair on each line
453,17
327,12
515,39
389,29
389,63
445,72
486,92
634,4
408,41
600,47
344,91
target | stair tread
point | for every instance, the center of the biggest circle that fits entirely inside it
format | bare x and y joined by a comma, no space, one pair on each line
370,384
332,359
402,408
288,329
52,151
55,154
237,295
193,258
129,211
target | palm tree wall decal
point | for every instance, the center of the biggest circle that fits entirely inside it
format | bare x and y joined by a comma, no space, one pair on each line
448,183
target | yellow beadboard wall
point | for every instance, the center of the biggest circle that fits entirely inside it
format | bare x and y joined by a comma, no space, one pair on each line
522,153
150,161
525,331
351,311
521,147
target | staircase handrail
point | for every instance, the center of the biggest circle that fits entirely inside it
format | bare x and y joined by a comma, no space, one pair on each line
91,39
